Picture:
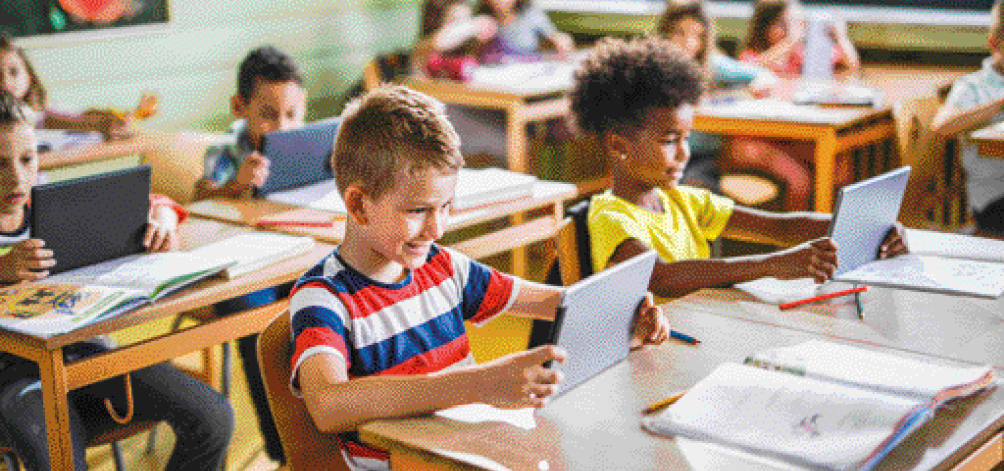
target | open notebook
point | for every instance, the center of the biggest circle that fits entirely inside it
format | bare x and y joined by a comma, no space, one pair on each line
475,188
73,299
818,403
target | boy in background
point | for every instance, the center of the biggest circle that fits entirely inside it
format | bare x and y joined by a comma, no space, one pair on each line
638,97
270,97
379,324
977,100
202,420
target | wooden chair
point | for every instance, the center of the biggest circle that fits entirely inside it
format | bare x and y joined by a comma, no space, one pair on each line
936,194
388,67
305,446
176,161
574,261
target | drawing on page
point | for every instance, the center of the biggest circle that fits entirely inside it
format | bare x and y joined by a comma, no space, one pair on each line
807,427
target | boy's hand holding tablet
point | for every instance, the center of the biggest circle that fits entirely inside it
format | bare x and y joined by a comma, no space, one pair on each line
27,260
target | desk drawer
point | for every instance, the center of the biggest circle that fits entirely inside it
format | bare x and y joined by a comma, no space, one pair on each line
984,458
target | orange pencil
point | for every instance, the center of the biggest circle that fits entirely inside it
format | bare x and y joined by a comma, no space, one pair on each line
823,297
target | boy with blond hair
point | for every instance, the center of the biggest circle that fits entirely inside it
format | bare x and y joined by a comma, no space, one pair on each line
977,100
379,324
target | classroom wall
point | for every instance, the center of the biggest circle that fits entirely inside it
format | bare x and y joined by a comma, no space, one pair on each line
192,62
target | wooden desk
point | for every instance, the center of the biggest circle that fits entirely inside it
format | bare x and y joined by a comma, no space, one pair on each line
833,130
949,327
176,159
520,107
58,378
546,195
597,425
989,141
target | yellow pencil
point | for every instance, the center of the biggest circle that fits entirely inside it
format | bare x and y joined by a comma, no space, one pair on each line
656,407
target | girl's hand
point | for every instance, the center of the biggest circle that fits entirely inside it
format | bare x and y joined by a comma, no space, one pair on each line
650,325
26,261
162,230
816,259
520,379
894,243
107,122
485,28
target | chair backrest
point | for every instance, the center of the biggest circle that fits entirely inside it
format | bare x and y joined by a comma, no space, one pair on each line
573,263
388,67
177,162
305,446
936,193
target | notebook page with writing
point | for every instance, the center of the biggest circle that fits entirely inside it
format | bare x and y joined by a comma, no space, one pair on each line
949,245
934,274
875,370
799,419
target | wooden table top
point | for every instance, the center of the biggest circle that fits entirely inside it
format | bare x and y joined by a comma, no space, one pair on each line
597,425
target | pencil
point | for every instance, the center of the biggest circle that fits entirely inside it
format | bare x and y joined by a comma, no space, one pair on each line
660,405
683,337
279,222
823,297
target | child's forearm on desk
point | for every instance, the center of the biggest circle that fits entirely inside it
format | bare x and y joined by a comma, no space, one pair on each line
345,406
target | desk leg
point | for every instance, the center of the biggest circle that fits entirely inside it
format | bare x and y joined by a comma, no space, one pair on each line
826,165
516,148
57,412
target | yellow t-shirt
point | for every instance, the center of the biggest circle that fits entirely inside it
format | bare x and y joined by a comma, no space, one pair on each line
692,217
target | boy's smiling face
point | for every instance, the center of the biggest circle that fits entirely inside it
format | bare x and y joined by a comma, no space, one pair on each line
274,106
405,221
659,149
18,168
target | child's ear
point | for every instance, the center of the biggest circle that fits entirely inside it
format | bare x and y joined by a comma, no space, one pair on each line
355,206
237,105
615,146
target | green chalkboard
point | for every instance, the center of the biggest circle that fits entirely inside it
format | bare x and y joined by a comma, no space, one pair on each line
21,18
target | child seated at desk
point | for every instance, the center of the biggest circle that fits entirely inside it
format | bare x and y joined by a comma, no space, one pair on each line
270,97
645,138
687,25
19,78
503,31
521,27
977,100
449,39
776,40
379,324
201,418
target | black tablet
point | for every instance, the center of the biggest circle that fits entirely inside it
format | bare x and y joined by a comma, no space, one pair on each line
92,219
299,156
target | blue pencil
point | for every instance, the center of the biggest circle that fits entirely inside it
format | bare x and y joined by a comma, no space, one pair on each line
683,337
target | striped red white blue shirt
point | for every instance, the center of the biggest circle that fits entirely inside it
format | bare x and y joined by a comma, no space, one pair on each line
407,328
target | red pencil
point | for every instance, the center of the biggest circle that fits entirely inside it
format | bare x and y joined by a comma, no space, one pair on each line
279,222
823,297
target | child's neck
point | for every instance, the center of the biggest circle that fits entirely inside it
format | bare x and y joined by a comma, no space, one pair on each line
639,194
10,222
370,263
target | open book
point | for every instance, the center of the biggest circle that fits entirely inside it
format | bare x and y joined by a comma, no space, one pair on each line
940,262
73,299
252,251
475,188
818,403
